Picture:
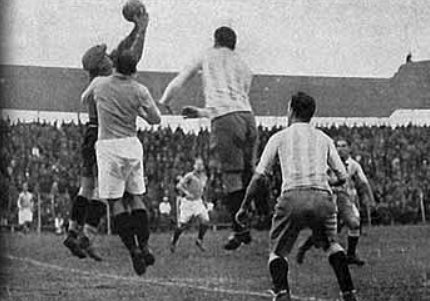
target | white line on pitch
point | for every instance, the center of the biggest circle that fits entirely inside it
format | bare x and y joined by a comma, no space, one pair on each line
159,282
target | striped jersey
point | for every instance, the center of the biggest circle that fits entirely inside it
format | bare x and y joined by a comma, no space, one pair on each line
355,176
226,81
305,154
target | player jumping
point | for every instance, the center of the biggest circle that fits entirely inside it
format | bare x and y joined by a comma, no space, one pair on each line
192,186
227,82
347,204
87,209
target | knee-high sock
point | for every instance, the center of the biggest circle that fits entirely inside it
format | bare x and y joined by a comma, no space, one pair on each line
124,226
233,202
340,266
96,210
202,231
352,245
176,234
141,226
78,214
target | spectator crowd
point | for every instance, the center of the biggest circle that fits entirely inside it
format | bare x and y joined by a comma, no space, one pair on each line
47,157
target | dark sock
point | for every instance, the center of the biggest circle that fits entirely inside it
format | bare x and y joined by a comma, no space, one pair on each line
233,202
341,269
176,235
72,233
141,226
279,273
96,210
202,231
79,210
125,231
352,245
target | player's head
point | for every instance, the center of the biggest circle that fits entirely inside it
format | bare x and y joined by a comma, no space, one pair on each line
301,107
96,61
199,165
25,186
127,63
343,148
225,37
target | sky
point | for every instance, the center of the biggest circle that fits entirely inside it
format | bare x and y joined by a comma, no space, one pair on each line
352,38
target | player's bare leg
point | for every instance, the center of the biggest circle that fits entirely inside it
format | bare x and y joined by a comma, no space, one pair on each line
203,227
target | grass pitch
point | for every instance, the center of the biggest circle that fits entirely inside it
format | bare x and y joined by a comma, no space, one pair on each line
38,267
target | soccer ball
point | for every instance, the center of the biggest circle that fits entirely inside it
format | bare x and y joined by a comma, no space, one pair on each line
131,8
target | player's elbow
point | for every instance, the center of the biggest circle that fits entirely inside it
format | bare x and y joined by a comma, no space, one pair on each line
153,120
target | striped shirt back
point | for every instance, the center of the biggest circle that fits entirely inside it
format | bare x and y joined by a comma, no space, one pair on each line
305,154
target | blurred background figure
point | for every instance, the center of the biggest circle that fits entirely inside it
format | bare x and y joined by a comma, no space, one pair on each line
25,208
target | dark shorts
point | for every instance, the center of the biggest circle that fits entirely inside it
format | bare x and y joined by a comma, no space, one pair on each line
88,152
348,212
299,209
233,145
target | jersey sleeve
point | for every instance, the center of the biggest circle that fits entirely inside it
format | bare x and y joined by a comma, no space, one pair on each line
335,162
89,91
269,155
358,173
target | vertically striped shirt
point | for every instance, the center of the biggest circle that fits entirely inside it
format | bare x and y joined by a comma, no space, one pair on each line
355,177
226,80
305,154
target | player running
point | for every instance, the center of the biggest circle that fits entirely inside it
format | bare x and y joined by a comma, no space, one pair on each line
192,187
87,208
227,82
305,154
347,203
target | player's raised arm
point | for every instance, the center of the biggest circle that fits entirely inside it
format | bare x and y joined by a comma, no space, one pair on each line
135,41
175,86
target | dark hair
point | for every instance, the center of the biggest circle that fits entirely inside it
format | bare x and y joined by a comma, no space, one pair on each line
225,37
126,63
303,106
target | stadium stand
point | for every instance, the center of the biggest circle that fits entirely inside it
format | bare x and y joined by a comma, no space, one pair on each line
396,161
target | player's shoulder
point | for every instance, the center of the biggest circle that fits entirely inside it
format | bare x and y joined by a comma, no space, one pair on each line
353,163
323,135
188,175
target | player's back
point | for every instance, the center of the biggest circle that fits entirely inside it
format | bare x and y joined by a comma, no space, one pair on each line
303,153
227,80
118,99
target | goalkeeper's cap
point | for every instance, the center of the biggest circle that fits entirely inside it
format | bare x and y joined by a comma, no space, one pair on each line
93,56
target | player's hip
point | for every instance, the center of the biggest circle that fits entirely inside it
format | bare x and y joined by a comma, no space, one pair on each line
301,204
128,147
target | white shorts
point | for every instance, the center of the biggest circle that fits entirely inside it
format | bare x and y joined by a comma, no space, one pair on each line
188,209
25,215
120,167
